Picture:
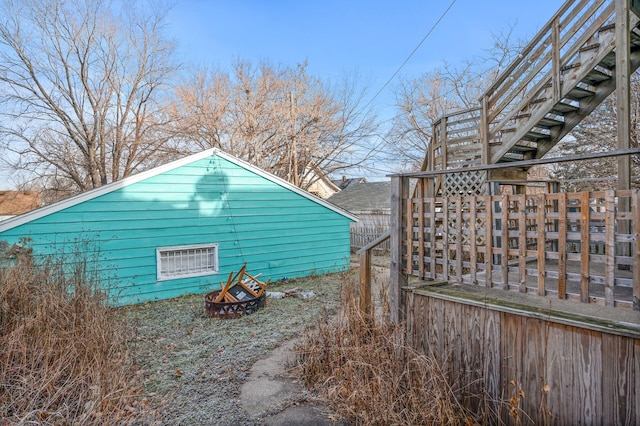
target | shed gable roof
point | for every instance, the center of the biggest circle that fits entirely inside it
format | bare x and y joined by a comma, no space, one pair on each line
97,192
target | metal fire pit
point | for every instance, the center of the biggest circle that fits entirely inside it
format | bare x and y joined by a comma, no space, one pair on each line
232,309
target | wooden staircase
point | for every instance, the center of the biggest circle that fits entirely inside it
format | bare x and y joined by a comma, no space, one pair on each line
560,77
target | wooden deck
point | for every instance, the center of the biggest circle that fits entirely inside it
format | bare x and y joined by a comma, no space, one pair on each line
570,251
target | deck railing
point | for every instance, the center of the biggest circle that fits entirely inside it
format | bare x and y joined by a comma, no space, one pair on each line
541,63
366,303
477,135
583,246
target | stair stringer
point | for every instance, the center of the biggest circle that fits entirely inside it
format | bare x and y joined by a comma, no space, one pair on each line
607,45
573,119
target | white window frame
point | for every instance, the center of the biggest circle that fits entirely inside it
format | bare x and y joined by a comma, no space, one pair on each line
182,251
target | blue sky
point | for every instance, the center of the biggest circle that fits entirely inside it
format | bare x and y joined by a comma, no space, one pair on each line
337,37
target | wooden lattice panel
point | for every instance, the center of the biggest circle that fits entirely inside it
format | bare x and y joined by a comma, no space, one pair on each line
479,221
467,183
579,246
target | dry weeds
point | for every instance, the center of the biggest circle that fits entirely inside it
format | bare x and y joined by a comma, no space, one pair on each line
63,358
370,376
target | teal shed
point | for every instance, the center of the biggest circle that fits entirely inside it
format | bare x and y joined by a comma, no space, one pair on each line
183,227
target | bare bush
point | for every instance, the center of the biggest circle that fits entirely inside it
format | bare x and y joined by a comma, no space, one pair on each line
63,356
371,376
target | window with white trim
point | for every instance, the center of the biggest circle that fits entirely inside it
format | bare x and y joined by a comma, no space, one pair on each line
186,261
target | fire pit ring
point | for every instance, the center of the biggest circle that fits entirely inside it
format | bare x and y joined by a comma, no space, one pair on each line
232,309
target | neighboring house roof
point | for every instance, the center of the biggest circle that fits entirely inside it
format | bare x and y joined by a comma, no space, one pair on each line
322,185
52,208
346,182
18,202
361,197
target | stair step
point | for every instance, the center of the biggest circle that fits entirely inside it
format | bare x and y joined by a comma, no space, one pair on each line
538,101
522,116
609,61
508,159
607,27
578,93
589,47
534,136
595,77
521,149
531,136
562,108
570,66
548,122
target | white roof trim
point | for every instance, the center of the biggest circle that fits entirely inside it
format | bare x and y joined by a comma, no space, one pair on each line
94,193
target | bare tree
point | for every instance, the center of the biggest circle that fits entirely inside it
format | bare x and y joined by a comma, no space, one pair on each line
424,100
278,118
597,133
420,102
80,84
200,109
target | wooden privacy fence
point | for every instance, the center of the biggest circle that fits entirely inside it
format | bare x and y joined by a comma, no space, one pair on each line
362,236
581,246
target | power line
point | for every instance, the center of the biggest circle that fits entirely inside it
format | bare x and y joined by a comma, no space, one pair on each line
470,79
412,53
450,91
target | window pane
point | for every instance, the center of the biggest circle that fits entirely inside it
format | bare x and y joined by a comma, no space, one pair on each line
189,261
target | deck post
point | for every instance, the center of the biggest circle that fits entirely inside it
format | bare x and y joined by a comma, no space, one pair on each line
484,132
623,113
623,92
399,192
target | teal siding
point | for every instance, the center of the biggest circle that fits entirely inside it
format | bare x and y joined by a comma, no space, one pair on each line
276,231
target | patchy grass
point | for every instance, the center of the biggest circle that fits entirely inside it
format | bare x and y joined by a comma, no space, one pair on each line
192,366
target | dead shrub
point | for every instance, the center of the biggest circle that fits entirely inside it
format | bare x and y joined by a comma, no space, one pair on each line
370,376
63,354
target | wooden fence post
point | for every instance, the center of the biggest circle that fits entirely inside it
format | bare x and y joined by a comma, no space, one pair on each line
365,284
366,303
399,192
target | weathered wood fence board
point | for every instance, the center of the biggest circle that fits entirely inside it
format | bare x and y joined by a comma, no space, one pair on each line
556,372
